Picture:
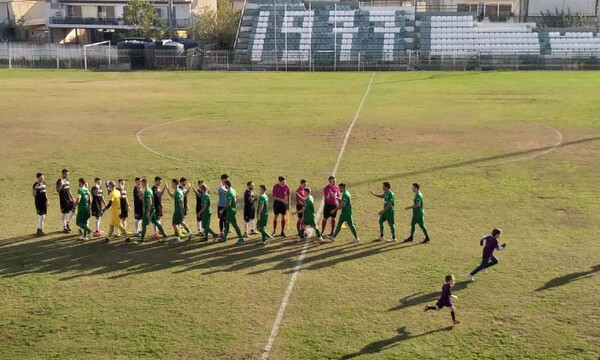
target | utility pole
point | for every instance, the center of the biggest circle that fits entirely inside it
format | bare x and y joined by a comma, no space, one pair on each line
170,15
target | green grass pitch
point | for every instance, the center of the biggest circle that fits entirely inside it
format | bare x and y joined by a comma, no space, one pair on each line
484,146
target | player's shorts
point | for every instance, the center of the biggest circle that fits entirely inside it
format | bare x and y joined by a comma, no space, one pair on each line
158,212
96,210
82,217
387,217
66,206
206,221
347,218
262,222
418,220
327,211
124,213
309,222
138,214
177,218
221,215
147,220
230,215
298,208
41,208
279,208
198,208
249,213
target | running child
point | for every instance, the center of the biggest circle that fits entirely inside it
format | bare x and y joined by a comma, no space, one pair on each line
387,214
67,210
309,217
205,213
281,204
345,205
231,212
331,194
98,203
249,209
83,209
263,214
418,214
41,202
300,200
445,299
488,259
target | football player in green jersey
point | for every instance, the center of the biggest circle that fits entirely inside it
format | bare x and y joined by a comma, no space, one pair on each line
83,205
345,205
387,214
418,214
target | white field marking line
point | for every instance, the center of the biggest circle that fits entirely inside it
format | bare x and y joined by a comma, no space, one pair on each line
139,139
138,136
559,135
290,287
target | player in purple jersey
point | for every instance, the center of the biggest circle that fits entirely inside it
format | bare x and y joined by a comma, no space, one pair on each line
488,259
445,299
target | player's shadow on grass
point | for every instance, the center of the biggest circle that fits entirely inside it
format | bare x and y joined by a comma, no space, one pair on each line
69,256
565,279
470,162
378,346
419,299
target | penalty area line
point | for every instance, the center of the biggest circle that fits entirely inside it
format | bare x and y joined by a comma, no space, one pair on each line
290,287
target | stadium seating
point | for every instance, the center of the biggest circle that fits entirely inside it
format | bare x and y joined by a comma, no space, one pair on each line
296,31
462,34
292,31
573,41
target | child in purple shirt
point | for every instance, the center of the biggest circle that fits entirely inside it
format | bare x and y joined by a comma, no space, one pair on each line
488,258
445,299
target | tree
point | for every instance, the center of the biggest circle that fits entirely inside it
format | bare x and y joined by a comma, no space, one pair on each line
143,16
216,27
563,20
11,30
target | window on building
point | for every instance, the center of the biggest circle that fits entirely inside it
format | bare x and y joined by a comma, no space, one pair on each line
467,7
504,11
498,11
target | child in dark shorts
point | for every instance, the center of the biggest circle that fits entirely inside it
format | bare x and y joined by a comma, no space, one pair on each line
445,299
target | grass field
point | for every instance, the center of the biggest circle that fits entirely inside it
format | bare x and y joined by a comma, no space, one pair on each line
483,146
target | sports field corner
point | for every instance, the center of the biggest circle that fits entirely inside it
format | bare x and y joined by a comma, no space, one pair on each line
518,151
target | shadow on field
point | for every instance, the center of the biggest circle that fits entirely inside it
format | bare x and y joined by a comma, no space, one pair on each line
565,279
69,256
418,298
469,162
378,346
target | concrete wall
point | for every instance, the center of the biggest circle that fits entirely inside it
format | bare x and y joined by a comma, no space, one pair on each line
580,6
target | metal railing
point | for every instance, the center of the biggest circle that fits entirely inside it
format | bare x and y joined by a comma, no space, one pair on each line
111,21
19,55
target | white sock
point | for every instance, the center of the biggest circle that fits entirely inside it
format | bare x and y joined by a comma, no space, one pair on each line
41,222
63,218
136,226
252,223
155,228
71,215
98,224
124,221
199,226
245,227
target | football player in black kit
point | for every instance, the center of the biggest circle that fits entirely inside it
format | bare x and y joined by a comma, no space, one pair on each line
41,202
67,210
98,203
138,206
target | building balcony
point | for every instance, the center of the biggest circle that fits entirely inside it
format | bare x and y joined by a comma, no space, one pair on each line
106,22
